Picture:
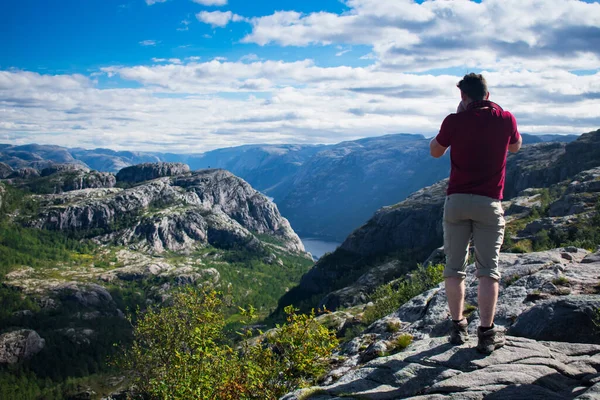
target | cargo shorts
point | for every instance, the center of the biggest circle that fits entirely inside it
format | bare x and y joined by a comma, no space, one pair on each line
479,217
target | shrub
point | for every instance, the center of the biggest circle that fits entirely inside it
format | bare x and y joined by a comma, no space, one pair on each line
401,342
388,298
181,351
561,281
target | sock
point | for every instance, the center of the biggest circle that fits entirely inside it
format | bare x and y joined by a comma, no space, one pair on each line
482,329
459,321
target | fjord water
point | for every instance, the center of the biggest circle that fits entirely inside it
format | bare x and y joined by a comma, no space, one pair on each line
318,247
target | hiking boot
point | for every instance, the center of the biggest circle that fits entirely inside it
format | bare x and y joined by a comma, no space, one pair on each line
458,332
490,340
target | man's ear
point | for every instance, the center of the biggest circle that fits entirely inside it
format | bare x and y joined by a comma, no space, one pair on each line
487,96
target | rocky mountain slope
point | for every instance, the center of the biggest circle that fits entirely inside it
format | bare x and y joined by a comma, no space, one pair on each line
411,229
87,248
549,302
175,210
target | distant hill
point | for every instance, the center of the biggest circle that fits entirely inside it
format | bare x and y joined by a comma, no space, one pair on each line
326,191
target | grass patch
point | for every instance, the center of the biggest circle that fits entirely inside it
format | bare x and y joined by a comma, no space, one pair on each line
561,281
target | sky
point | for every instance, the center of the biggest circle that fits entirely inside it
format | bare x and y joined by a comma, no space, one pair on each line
189,76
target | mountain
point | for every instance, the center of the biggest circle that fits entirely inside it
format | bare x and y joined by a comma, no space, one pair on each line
325,191
268,168
79,249
410,230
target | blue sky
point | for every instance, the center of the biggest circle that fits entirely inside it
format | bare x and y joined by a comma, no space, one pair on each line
194,75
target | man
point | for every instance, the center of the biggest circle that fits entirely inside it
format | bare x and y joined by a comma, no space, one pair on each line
479,136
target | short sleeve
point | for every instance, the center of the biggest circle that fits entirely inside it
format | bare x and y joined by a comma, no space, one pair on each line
514,132
444,138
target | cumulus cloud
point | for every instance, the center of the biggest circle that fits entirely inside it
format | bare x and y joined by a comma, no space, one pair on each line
409,36
211,2
218,18
192,106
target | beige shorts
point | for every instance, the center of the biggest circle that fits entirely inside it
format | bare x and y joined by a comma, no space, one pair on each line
479,217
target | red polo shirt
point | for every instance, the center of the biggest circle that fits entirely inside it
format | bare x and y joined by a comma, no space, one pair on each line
478,139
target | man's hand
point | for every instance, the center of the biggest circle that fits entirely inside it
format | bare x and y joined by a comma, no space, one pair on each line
513,148
436,149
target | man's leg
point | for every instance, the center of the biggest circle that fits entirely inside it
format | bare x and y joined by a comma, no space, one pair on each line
455,291
488,235
457,234
487,298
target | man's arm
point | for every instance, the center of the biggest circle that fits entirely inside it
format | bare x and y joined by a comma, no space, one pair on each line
436,149
513,148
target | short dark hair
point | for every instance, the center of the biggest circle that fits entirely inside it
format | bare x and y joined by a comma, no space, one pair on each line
474,86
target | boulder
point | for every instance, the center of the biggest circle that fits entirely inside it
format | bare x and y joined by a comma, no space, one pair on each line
150,171
19,345
569,319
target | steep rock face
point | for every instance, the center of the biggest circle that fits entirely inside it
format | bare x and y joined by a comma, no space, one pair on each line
19,345
413,223
5,170
533,302
177,213
149,171
2,191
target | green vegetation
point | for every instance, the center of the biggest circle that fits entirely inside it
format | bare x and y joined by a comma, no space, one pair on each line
388,298
582,234
561,281
468,310
509,280
182,351
401,342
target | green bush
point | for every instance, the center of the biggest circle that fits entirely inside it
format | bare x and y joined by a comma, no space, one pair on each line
181,351
388,298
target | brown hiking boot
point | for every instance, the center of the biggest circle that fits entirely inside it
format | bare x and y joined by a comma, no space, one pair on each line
490,340
458,332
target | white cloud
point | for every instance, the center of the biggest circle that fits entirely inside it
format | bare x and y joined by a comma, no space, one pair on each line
341,53
409,36
211,2
249,58
184,25
148,42
151,2
193,106
218,18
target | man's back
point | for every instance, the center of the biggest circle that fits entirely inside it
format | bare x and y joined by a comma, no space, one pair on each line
478,139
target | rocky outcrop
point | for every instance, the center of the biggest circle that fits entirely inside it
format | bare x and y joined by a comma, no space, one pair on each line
67,179
25,173
149,171
176,214
5,170
55,168
19,345
548,299
435,370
